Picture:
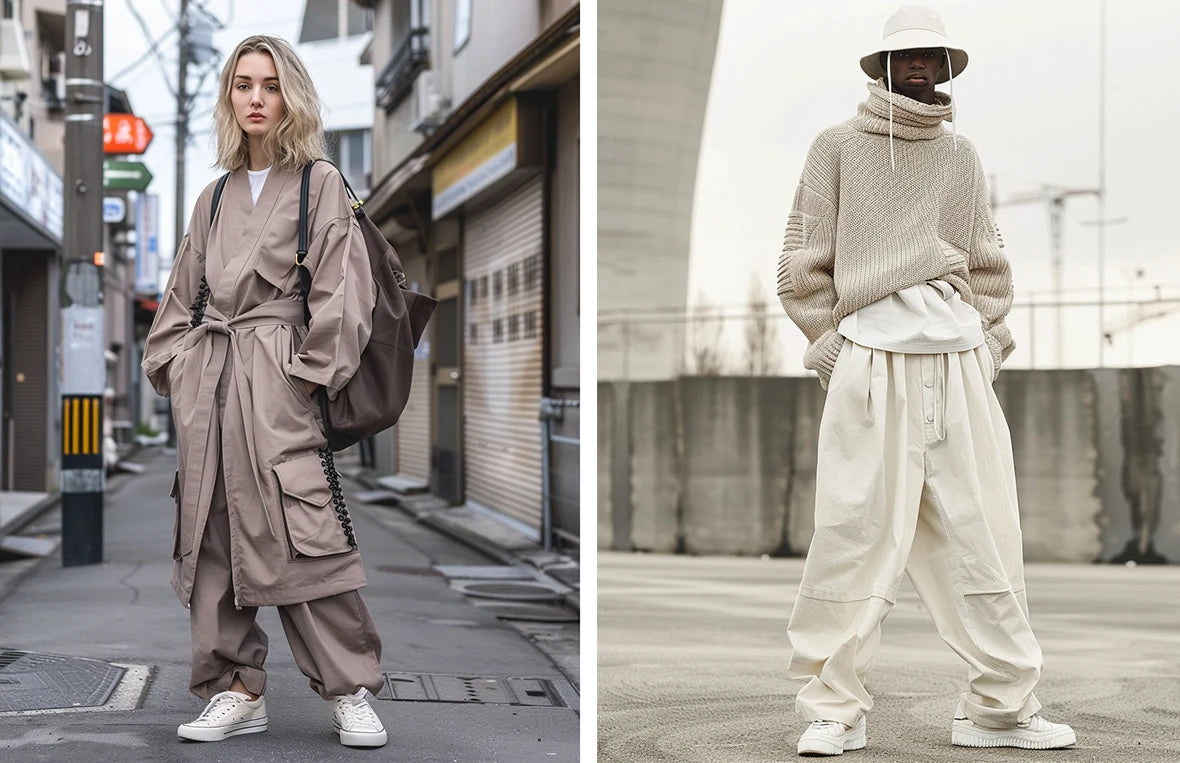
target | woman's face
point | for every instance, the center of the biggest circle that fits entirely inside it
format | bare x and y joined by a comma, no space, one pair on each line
255,94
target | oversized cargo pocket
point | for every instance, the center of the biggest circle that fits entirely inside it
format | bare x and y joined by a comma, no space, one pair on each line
174,494
313,528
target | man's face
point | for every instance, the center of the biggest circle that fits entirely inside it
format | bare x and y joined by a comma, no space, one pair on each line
915,71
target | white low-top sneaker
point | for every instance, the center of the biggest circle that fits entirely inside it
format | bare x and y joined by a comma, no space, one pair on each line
356,722
1036,733
227,714
832,738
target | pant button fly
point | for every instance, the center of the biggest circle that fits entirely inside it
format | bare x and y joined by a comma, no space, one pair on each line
930,417
929,382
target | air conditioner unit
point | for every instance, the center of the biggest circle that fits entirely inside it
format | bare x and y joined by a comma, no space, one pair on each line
14,53
429,106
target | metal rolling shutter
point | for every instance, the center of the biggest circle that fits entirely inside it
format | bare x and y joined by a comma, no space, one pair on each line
413,428
502,357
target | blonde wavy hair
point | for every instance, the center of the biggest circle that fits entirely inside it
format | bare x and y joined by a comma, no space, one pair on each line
296,140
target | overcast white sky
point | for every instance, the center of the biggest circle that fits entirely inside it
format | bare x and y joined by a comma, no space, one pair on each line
150,96
1028,100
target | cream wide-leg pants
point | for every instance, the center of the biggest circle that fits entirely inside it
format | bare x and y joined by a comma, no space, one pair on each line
914,475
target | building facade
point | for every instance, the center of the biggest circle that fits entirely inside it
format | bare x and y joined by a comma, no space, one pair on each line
31,153
475,182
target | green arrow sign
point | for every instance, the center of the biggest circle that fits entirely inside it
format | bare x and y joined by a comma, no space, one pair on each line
128,176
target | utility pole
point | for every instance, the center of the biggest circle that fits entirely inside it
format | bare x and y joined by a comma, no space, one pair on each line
181,120
83,364
1101,182
181,144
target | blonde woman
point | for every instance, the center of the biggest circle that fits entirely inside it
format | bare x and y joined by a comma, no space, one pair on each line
260,519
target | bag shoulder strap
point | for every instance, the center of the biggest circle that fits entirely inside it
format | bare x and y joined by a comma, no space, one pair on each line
217,198
301,251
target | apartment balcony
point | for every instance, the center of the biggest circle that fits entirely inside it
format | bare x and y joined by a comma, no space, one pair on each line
396,80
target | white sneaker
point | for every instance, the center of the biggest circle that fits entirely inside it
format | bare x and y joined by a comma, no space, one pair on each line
227,714
832,738
356,722
1034,734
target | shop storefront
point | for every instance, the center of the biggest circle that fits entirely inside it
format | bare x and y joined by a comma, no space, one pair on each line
30,243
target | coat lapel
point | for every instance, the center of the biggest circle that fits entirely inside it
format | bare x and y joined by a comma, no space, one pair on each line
238,230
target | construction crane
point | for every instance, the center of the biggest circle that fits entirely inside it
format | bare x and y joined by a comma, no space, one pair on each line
1055,196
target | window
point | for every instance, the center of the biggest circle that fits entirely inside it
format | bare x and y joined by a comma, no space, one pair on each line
420,14
462,23
360,20
351,150
9,10
321,20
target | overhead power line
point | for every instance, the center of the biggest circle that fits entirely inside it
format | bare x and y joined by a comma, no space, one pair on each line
147,34
149,52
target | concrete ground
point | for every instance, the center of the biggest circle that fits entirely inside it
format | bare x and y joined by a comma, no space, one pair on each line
692,655
124,611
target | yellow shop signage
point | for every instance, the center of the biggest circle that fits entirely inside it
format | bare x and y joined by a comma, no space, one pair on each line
488,154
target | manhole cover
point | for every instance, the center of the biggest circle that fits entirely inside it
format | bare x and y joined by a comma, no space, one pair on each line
487,690
512,591
483,572
31,681
407,570
511,610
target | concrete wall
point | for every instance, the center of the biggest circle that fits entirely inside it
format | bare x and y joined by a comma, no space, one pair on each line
727,465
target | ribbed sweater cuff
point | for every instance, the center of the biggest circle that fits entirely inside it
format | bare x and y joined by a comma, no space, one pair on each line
821,356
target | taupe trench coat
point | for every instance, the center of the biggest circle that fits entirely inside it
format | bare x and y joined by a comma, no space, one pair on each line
236,382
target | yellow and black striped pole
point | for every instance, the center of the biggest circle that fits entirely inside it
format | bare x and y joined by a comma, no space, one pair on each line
81,431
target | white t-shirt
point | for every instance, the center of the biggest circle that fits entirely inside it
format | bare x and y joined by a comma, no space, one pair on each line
928,317
257,180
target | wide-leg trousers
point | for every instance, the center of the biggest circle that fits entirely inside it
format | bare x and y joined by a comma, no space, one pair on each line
914,475
334,639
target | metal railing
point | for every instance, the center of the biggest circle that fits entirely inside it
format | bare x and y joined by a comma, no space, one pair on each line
396,79
552,411
737,341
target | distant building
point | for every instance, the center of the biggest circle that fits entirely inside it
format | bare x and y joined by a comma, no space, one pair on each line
332,35
475,182
655,62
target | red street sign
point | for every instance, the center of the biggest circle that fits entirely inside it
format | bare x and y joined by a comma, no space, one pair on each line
125,134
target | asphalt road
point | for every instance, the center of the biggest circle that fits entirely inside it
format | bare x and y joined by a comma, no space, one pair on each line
692,655
124,611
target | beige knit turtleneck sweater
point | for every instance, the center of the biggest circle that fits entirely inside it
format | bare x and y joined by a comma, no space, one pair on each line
860,230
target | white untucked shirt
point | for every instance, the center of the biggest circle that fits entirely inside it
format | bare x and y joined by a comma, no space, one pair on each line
928,317
257,180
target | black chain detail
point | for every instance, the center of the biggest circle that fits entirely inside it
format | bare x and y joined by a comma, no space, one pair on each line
198,308
333,476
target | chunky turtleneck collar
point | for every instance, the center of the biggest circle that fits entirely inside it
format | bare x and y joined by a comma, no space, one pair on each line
912,120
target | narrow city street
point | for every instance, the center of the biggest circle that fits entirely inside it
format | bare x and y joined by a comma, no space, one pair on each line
123,612
693,652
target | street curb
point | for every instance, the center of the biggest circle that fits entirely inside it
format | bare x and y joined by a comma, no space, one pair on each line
572,598
31,514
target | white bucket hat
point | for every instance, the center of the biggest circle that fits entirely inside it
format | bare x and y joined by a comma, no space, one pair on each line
913,27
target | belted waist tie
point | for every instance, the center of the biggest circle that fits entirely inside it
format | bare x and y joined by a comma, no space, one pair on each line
215,338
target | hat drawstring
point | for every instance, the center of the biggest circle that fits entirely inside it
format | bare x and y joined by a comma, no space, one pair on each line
889,75
954,122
